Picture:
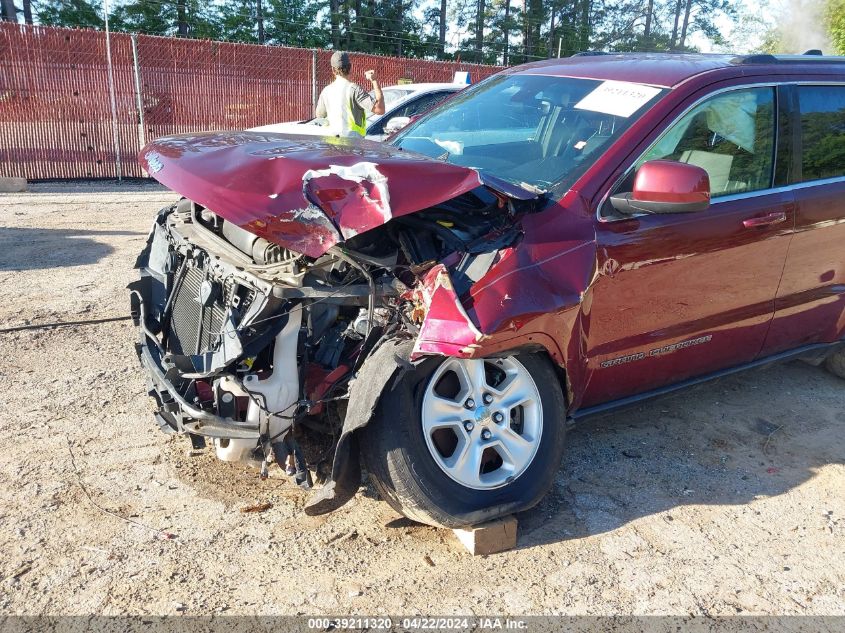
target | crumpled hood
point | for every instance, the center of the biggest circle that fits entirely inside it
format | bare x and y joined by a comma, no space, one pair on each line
304,193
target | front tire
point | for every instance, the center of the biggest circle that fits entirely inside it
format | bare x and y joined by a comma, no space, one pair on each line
457,442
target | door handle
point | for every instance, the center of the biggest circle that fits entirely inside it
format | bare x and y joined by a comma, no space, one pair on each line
775,217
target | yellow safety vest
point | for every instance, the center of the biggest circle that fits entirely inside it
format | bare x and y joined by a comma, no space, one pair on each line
360,129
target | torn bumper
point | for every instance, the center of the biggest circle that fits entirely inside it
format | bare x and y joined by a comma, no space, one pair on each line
174,413
202,322
381,370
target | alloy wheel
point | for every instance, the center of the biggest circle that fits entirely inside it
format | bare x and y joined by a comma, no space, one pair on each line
482,420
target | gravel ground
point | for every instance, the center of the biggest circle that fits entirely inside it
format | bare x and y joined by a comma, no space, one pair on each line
724,500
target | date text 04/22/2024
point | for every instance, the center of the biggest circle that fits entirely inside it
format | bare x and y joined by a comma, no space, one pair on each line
420,623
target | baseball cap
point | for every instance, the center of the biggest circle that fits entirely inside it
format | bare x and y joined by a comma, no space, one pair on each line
340,60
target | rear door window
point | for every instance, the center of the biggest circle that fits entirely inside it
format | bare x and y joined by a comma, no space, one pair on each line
425,102
731,136
413,108
393,95
822,131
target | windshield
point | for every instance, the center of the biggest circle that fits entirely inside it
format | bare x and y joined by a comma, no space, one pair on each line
529,129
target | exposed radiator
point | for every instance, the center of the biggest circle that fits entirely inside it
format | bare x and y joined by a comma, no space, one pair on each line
194,327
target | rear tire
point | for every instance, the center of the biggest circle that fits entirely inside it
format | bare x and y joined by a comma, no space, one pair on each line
440,460
835,363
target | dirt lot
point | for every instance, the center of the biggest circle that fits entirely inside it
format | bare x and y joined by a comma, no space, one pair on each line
728,499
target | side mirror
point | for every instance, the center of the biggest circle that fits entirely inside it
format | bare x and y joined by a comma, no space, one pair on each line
666,186
396,123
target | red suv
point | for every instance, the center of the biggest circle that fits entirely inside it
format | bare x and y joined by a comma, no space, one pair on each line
566,237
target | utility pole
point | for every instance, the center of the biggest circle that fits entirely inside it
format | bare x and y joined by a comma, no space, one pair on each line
260,11
400,24
10,12
181,19
115,135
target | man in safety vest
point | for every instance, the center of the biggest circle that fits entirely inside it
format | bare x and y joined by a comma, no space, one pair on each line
344,103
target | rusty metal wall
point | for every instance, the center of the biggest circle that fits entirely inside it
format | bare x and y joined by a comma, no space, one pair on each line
190,85
55,112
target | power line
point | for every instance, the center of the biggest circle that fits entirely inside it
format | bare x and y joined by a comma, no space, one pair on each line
388,38
382,35
247,12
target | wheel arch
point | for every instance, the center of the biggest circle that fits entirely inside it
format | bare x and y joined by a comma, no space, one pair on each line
396,450
383,368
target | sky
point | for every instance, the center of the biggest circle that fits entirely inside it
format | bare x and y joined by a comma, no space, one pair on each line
801,22
741,40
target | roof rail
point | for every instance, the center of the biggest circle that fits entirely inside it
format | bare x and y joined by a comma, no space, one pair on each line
758,58
589,53
810,56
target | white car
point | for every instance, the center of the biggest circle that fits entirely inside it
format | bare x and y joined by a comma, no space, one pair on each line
401,103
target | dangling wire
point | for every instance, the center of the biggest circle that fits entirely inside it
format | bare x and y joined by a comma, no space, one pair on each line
111,92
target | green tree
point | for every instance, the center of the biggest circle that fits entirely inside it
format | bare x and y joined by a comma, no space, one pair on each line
704,20
504,24
144,16
582,26
296,23
238,21
491,31
72,13
386,28
185,18
835,19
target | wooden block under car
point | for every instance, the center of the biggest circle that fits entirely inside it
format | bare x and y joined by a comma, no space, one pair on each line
12,185
489,538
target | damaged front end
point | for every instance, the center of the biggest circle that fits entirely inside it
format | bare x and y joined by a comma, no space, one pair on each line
293,277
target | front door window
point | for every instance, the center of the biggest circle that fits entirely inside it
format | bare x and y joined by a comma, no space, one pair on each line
730,136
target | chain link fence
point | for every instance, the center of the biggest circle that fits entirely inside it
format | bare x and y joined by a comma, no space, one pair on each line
56,118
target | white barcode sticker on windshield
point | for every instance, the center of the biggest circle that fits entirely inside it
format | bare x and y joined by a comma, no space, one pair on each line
619,98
